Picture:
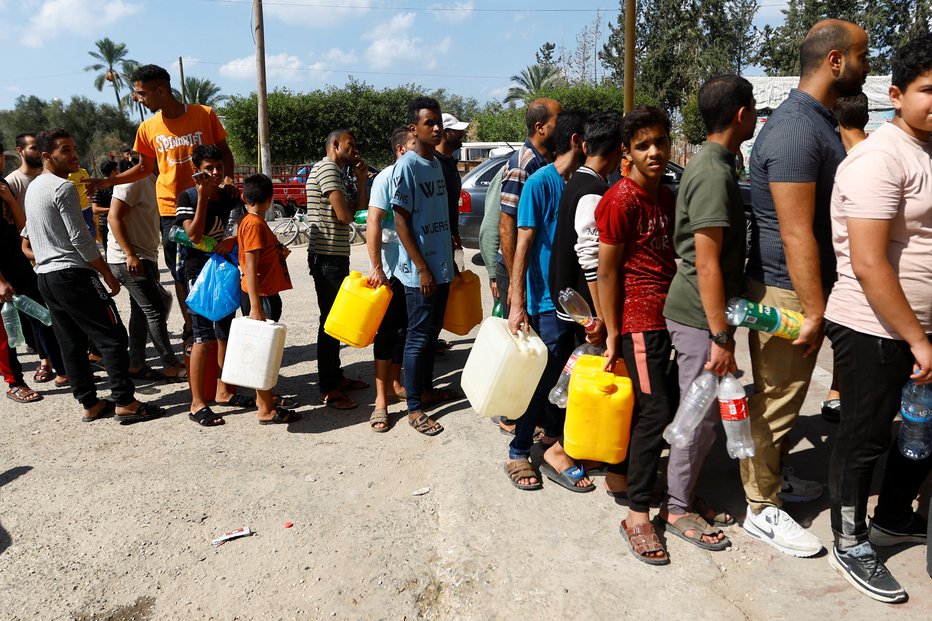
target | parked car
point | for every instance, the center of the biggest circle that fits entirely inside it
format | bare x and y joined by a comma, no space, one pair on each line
476,185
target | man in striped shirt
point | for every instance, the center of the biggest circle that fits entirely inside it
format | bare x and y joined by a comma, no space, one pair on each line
330,212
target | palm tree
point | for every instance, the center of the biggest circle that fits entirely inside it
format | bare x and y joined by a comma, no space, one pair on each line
127,68
110,54
531,81
201,91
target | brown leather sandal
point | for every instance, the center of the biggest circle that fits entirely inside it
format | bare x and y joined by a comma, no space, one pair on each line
643,540
522,469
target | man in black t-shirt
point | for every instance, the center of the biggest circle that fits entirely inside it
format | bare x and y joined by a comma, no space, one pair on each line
452,139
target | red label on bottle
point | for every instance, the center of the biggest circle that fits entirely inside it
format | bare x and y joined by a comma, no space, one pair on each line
733,409
589,324
568,368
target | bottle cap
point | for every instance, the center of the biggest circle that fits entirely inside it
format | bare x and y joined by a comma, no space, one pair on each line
605,382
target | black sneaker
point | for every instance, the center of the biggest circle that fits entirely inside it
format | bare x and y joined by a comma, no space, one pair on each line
831,410
866,572
915,531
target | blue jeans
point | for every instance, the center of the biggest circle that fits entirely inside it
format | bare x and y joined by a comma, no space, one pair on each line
425,320
560,339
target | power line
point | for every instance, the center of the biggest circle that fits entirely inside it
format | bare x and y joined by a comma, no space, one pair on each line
437,9
354,71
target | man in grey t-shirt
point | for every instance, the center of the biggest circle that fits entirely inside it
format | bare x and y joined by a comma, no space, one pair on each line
792,266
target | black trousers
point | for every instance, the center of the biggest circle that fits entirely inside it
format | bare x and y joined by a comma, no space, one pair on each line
647,356
328,272
82,309
23,278
871,373
390,339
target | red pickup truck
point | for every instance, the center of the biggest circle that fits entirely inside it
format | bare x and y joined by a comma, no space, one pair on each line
288,194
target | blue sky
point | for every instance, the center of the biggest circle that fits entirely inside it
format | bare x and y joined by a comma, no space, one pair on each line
469,47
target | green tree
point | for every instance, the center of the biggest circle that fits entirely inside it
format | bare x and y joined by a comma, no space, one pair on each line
96,128
110,55
496,123
545,55
127,69
201,91
531,81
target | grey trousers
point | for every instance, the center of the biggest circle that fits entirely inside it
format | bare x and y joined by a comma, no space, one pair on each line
692,352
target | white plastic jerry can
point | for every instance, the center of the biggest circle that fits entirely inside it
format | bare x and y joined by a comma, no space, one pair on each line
503,370
254,353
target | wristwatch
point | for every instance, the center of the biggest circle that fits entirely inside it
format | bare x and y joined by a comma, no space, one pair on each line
722,338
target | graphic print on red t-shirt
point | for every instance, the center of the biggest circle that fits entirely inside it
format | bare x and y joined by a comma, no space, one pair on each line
628,215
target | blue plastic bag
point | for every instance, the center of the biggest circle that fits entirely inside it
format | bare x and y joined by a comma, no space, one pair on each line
216,292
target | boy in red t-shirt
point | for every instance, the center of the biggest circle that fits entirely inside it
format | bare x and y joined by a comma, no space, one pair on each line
636,266
265,274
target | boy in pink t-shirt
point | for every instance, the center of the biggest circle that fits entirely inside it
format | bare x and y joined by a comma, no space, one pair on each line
879,318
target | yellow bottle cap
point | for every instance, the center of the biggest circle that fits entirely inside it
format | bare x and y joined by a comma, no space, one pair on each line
605,382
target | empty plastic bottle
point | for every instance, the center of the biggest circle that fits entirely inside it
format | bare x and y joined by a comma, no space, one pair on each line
559,394
915,439
32,308
693,407
236,216
178,235
733,406
14,329
576,307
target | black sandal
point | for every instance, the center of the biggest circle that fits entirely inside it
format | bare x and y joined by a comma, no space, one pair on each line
147,374
145,411
282,416
205,417
239,401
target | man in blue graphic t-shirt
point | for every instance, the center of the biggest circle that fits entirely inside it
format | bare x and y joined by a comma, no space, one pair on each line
425,266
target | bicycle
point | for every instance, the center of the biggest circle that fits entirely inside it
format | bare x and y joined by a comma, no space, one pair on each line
290,230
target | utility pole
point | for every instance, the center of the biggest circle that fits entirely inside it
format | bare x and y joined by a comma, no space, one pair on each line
184,98
630,8
265,150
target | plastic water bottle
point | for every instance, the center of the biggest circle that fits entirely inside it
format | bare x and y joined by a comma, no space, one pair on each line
915,439
14,329
32,308
693,407
770,319
559,394
576,307
178,235
236,216
497,310
733,406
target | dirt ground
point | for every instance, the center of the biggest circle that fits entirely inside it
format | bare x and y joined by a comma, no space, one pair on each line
107,522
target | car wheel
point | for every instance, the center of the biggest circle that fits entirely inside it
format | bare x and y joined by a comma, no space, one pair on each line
276,212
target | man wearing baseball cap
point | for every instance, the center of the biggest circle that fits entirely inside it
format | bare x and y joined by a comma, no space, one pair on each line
453,132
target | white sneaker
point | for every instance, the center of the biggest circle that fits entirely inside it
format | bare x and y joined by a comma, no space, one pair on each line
775,527
795,489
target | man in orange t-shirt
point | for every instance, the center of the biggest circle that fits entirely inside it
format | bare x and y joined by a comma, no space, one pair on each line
168,139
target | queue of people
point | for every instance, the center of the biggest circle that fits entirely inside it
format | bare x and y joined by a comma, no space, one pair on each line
837,236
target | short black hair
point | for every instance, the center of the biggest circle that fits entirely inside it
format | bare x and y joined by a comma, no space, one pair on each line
602,133
107,167
150,73
257,189
851,111
422,103
641,117
21,139
912,60
333,136
832,35
45,140
399,136
720,98
537,112
206,152
569,122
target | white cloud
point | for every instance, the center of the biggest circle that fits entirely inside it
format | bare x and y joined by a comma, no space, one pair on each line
393,45
456,14
337,56
277,67
84,17
317,17
189,63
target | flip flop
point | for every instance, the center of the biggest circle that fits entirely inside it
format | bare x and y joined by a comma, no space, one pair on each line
423,424
147,374
108,409
43,374
145,411
567,478
721,518
697,524
338,401
282,416
522,469
205,417
379,415
641,539
238,401
176,379
23,394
